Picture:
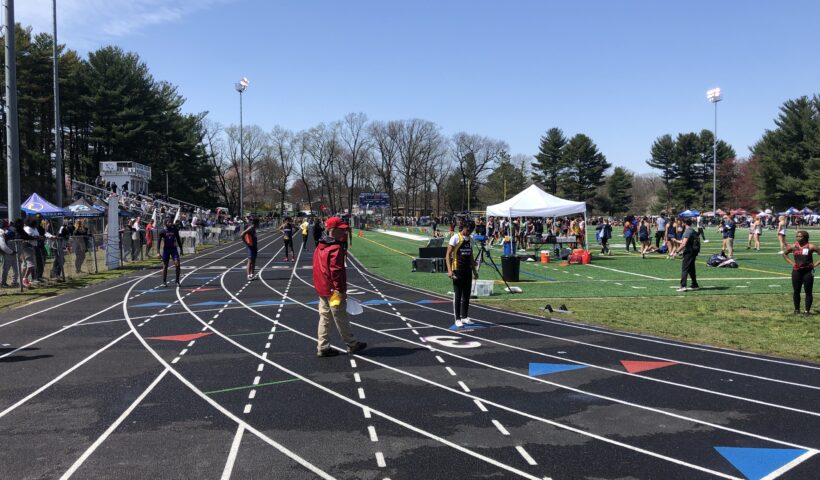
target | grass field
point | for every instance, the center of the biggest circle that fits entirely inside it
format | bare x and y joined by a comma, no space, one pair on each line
748,308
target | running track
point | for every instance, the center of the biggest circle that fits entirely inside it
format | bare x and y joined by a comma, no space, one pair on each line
219,379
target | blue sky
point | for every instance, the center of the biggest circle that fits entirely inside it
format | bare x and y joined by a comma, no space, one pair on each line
622,72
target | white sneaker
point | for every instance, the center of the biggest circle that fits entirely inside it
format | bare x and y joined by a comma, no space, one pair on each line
780,252
467,321
250,277
682,289
459,323
706,241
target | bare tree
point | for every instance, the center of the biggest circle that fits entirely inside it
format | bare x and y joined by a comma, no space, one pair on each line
475,156
357,143
322,144
216,151
386,136
283,145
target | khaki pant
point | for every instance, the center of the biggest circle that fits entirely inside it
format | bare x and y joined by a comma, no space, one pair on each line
337,315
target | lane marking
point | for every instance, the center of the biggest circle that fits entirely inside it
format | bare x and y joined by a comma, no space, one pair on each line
380,460
480,405
226,472
526,455
450,371
500,427
463,386
372,431
108,431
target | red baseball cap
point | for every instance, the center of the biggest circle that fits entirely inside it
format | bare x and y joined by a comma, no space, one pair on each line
335,222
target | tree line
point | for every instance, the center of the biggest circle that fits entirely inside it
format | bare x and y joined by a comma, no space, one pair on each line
114,110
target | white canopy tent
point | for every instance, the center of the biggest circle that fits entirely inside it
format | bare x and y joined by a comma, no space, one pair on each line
534,202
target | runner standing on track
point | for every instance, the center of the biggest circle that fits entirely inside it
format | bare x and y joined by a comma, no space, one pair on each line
249,237
461,269
172,248
287,237
304,226
802,269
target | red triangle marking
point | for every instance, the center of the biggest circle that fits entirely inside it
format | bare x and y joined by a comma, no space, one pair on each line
181,338
634,366
203,289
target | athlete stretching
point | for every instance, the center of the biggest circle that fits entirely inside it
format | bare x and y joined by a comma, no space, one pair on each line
172,248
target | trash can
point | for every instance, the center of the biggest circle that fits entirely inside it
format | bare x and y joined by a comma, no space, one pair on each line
510,268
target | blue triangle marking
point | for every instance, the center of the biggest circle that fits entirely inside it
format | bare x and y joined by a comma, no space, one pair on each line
472,326
271,302
757,463
151,304
547,368
211,303
315,302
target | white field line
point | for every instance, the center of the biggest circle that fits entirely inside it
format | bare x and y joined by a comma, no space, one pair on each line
226,472
567,324
468,395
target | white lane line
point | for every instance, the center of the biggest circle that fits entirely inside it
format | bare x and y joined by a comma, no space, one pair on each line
75,299
785,468
353,363
59,331
450,371
183,352
247,408
252,395
357,378
175,360
463,386
500,427
603,331
260,367
256,380
191,344
440,360
380,460
361,394
237,439
480,405
64,374
112,427
366,412
494,404
526,455
372,431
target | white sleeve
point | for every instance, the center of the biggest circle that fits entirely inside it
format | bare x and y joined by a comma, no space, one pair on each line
453,241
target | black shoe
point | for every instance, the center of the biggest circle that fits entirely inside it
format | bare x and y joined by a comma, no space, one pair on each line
694,287
807,313
357,348
548,308
327,352
796,312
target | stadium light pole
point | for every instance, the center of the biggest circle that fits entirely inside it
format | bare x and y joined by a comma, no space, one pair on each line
58,149
241,85
714,96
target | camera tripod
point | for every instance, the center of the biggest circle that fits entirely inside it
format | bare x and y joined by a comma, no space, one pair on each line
482,249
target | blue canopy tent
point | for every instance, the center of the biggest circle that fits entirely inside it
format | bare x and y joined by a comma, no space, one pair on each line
807,211
36,204
689,213
82,209
790,211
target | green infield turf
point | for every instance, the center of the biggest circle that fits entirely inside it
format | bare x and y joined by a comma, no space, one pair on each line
747,308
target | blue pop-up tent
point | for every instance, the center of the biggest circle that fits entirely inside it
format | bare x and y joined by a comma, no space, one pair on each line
807,211
36,204
81,208
689,213
790,211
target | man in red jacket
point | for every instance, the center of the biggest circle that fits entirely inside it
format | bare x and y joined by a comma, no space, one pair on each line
330,281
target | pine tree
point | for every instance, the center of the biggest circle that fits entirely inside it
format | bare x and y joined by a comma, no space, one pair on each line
506,176
788,172
663,159
619,191
550,160
585,168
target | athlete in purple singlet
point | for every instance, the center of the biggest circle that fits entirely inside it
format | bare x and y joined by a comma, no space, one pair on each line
169,246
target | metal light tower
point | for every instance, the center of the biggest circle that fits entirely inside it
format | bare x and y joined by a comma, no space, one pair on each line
241,85
58,149
12,139
714,96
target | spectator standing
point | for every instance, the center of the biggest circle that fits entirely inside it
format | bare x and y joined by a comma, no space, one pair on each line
8,251
330,282
689,244
461,268
660,224
318,230
629,235
149,237
644,232
728,227
781,233
79,245
606,234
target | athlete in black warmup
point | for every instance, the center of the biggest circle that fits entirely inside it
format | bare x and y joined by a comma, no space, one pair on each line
802,269
168,247
287,237
461,268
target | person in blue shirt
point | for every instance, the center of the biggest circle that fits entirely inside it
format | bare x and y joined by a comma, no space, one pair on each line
169,246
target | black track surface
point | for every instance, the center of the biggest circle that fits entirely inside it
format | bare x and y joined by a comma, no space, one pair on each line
95,394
